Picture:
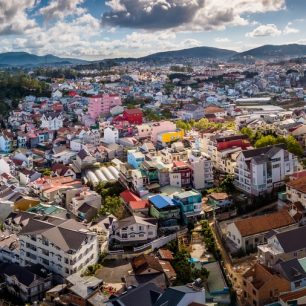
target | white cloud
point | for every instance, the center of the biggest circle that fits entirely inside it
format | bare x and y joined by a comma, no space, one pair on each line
265,30
59,9
13,16
290,30
221,40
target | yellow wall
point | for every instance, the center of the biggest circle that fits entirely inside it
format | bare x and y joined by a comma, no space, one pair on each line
171,136
25,204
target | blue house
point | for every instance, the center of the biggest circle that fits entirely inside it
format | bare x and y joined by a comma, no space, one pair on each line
135,158
190,203
165,210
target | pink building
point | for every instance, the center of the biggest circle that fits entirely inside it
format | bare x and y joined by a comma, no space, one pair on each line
161,127
101,104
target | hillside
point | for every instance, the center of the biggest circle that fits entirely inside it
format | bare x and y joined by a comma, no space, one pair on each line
27,59
267,52
198,52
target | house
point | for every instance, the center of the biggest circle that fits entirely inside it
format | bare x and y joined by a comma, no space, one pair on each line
165,138
146,269
282,245
61,246
102,104
202,169
135,158
27,284
182,296
133,116
84,159
215,110
134,203
52,121
146,294
111,135
294,271
219,199
180,175
296,195
262,286
248,233
293,298
192,112
6,141
160,128
133,230
165,210
85,205
190,203
27,176
260,171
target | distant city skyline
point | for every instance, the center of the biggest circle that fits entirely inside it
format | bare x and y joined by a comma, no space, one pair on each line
95,29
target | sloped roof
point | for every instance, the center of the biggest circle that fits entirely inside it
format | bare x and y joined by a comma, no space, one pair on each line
260,224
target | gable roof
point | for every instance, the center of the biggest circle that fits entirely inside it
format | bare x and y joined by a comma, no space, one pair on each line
144,262
260,224
292,240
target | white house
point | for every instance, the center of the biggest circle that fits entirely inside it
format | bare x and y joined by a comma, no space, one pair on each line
111,135
259,171
63,247
51,121
133,230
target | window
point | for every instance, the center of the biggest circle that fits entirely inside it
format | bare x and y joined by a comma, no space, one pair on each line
276,166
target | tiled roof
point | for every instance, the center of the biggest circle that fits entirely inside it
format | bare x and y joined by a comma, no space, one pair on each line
298,184
260,224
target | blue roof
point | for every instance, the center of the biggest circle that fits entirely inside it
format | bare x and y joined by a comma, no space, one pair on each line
161,201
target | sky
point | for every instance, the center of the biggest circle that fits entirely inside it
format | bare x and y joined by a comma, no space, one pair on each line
97,29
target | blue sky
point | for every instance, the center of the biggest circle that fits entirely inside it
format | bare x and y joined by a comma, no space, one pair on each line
96,29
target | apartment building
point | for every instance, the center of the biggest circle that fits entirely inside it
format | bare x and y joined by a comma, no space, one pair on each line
61,246
102,104
202,169
259,171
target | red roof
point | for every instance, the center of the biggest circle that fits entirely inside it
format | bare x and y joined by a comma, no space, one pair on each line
132,111
142,204
129,196
179,164
298,175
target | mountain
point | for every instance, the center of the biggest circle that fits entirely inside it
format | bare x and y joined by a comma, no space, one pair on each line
268,52
197,52
27,59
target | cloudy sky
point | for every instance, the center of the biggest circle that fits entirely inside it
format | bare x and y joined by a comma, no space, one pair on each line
96,29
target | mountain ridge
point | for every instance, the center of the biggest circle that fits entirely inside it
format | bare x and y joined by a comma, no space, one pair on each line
265,52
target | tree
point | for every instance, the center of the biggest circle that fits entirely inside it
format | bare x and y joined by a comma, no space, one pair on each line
181,124
264,141
247,131
46,172
111,205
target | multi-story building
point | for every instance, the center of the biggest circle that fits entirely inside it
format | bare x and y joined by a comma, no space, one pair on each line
180,175
221,148
61,246
101,104
259,171
165,210
6,141
133,116
262,286
135,158
133,230
190,203
202,170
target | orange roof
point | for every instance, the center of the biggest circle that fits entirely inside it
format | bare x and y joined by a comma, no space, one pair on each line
129,196
142,204
260,224
293,295
298,184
